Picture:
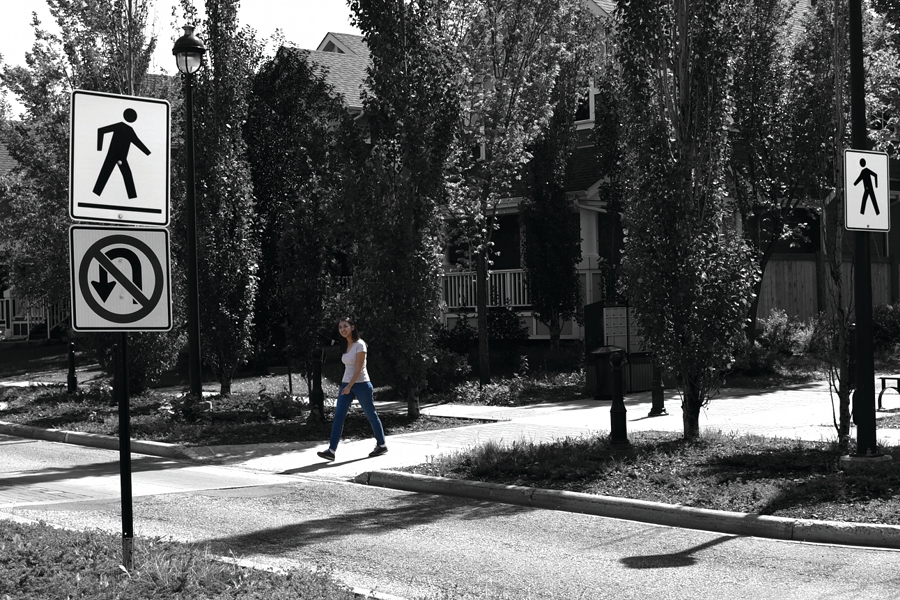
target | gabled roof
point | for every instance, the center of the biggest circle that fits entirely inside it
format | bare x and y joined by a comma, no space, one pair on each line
603,8
344,58
795,20
6,161
344,43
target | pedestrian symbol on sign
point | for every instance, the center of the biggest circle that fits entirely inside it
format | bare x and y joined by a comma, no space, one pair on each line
123,136
866,176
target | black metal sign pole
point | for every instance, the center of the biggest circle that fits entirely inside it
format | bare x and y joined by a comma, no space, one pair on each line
121,392
864,397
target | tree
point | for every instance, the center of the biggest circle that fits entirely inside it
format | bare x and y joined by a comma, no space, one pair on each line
551,223
227,246
687,272
767,174
509,59
292,137
101,47
96,49
398,192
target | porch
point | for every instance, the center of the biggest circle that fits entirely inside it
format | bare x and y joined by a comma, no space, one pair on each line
509,287
21,319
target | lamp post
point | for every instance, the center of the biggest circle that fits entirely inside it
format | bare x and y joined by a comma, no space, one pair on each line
188,51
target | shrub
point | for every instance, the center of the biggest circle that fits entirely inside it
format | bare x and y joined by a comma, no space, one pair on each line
448,369
461,339
505,325
885,327
753,360
785,335
149,355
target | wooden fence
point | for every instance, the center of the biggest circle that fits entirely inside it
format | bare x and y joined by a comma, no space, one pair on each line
790,284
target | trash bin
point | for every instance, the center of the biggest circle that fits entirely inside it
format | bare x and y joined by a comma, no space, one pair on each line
598,375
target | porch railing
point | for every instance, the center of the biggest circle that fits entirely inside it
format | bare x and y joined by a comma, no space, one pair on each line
19,317
506,288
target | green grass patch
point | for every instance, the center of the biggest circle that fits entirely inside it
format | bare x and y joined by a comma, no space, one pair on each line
743,473
39,561
245,417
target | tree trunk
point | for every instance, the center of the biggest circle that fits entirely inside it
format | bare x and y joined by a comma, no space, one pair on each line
225,387
690,412
412,407
555,332
482,285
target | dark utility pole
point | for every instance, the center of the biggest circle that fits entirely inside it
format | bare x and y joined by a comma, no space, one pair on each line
864,396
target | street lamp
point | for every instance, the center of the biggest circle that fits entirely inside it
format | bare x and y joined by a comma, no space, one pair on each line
189,51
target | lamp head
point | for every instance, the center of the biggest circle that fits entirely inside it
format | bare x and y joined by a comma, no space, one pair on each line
189,51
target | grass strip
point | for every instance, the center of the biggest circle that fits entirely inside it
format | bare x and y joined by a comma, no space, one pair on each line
38,561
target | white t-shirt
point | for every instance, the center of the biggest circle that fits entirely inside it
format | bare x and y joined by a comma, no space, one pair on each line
349,360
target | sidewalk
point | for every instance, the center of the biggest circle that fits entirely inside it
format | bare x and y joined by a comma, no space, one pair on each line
801,412
804,412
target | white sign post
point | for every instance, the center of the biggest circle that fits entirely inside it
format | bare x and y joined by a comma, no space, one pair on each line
120,279
119,159
867,205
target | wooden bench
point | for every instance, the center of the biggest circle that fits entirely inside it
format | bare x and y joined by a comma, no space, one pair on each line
885,386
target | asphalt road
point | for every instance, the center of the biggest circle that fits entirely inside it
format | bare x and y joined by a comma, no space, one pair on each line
421,546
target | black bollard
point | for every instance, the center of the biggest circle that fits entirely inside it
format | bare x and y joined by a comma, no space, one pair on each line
72,379
657,409
618,430
316,394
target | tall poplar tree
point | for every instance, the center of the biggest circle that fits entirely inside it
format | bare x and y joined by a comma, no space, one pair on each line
509,60
688,274
292,141
552,231
397,194
227,246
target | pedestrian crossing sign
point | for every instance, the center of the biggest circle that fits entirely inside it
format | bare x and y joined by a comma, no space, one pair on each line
867,184
119,159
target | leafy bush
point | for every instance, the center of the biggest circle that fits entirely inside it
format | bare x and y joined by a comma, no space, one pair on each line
461,339
785,335
753,360
505,325
448,368
149,355
885,327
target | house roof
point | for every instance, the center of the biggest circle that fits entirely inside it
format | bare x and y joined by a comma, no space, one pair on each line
605,6
344,59
799,11
6,161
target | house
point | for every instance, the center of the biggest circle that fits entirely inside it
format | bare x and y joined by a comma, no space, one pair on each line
791,281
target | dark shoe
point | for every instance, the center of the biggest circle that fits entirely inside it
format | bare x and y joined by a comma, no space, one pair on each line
326,454
378,451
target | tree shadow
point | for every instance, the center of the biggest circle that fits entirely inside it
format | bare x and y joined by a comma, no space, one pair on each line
47,474
405,511
672,560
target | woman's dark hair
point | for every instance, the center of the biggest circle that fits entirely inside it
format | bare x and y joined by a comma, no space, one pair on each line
354,332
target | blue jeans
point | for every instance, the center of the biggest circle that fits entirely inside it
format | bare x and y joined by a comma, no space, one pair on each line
363,393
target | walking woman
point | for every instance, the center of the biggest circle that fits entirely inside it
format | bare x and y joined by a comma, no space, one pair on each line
354,384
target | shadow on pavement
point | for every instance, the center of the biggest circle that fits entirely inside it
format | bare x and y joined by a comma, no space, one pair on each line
49,474
676,559
406,510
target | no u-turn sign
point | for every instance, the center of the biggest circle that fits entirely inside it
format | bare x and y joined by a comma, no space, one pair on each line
120,279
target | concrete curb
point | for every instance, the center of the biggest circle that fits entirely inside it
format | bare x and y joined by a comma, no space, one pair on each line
784,528
96,440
